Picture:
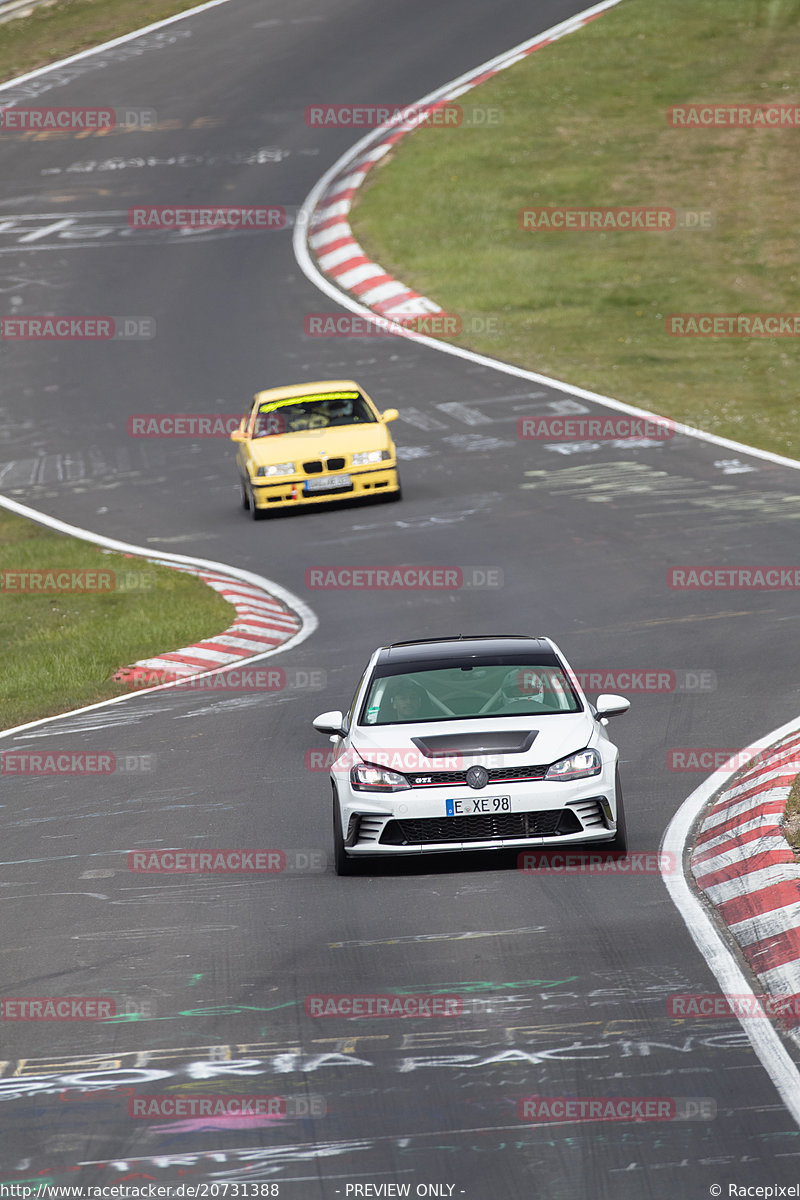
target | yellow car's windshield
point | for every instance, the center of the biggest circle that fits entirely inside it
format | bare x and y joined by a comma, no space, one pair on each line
327,410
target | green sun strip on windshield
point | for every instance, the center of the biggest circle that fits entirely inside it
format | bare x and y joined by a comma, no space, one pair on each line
273,405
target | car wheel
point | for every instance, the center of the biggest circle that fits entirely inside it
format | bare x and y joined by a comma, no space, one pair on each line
620,842
343,865
245,497
257,514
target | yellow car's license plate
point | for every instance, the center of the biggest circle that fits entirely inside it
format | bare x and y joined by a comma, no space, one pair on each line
329,483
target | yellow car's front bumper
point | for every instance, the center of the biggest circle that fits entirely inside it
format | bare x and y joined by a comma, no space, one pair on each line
290,493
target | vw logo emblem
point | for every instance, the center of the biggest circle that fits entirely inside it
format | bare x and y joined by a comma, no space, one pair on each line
477,777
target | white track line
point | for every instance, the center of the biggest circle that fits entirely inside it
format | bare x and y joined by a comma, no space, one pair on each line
306,614
126,37
315,276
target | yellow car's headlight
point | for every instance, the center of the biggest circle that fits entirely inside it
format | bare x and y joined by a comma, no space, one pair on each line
277,469
370,456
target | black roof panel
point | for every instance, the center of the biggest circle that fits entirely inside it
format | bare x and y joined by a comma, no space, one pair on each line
467,648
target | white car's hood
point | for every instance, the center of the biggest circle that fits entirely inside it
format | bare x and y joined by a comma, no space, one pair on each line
454,745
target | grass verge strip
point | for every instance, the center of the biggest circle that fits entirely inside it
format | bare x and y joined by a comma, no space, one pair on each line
59,30
71,614
583,123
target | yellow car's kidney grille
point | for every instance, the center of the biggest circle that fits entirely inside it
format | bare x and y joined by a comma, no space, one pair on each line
316,467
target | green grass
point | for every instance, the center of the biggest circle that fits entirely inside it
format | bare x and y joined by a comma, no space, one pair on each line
60,650
584,123
791,818
58,30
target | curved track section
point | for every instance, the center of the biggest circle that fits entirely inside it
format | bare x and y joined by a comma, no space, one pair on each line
565,980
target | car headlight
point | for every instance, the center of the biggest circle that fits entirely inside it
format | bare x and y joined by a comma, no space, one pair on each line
277,469
370,456
364,777
577,766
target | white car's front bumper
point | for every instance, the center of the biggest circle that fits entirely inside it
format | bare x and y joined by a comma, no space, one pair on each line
540,812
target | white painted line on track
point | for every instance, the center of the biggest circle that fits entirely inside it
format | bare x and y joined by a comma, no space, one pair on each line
359,150
773,1055
119,41
307,615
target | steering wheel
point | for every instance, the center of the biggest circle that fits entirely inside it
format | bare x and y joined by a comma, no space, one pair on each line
317,421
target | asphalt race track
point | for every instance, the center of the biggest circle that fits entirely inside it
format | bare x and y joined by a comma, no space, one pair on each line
565,979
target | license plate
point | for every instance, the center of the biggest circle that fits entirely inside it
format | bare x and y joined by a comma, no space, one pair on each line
329,483
478,804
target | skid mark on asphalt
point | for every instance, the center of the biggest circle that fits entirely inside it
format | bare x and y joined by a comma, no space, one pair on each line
438,937
31,88
604,483
263,156
93,230
90,722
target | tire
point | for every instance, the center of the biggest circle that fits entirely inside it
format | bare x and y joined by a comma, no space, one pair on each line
342,864
620,842
245,496
257,514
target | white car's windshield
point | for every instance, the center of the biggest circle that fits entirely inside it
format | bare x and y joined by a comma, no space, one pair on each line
456,693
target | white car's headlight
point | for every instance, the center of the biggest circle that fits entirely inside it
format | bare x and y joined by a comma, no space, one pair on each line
577,766
370,456
365,777
277,469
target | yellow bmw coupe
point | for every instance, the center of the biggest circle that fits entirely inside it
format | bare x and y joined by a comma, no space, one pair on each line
312,443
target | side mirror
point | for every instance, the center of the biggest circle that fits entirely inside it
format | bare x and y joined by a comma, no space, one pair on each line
330,722
609,705
391,414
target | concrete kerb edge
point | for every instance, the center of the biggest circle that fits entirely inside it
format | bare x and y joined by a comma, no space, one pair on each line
703,928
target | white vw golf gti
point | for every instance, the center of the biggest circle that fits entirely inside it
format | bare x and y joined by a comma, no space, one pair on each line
472,743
